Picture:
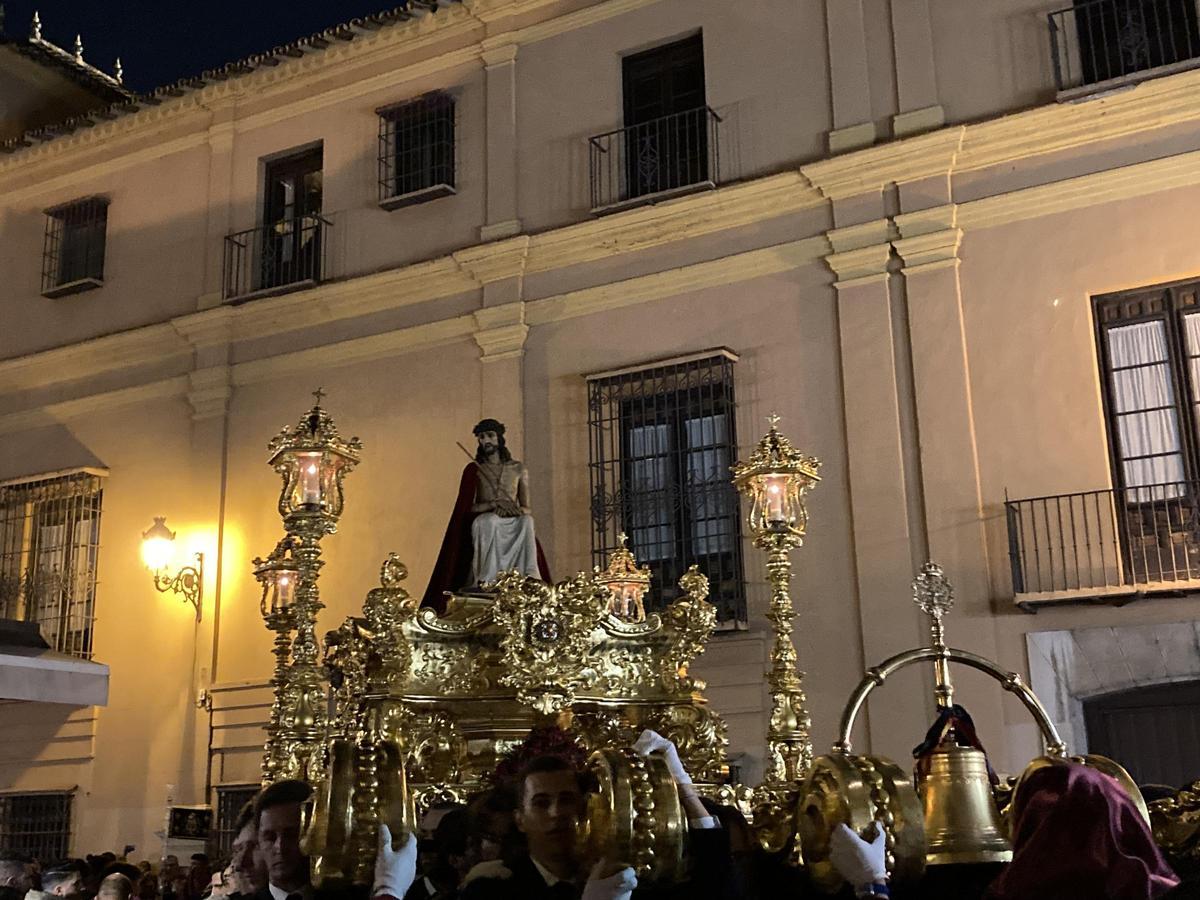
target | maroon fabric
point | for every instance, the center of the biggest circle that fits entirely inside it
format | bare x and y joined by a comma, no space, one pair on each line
452,571
1078,836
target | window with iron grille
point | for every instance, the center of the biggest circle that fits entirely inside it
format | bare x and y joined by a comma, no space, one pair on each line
73,252
662,439
36,825
416,150
49,547
230,800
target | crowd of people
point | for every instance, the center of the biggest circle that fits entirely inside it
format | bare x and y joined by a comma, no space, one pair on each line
1076,834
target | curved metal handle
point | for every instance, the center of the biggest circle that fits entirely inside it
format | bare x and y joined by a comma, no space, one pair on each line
1010,681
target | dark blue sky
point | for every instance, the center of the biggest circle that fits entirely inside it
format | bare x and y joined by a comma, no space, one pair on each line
160,41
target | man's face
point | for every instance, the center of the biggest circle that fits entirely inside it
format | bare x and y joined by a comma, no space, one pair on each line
249,867
550,809
488,441
279,841
71,888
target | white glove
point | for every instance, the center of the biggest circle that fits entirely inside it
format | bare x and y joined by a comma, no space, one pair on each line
859,862
653,742
395,870
618,886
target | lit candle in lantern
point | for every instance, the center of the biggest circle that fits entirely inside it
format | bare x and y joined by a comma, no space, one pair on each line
775,500
285,585
310,480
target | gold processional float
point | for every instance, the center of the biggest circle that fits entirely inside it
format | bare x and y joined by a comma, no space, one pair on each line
404,708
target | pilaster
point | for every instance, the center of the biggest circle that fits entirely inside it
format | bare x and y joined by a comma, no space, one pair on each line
850,87
954,516
220,184
916,77
500,67
879,498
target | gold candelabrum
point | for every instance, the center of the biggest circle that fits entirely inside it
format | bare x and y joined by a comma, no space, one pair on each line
312,459
775,479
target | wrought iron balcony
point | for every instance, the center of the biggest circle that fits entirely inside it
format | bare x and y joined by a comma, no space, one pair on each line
1110,543
1097,41
282,256
667,157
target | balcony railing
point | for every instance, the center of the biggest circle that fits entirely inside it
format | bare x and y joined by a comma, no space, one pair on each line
665,157
1102,40
284,255
1107,543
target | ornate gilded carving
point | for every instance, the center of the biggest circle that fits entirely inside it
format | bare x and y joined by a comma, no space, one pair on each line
1176,823
548,632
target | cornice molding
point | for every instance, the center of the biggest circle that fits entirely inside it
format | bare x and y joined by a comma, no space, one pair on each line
856,237
209,391
934,247
497,261
865,171
501,331
863,262
91,404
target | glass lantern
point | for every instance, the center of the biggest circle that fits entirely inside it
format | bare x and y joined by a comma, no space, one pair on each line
312,458
775,480
279,576
627,584
158,545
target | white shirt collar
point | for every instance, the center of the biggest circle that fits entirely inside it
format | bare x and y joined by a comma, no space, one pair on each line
549,877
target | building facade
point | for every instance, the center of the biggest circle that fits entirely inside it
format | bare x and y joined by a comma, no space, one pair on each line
946,242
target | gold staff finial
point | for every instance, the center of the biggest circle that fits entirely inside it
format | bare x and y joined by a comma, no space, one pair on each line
35,27
773,420
319,393
78,48
119,72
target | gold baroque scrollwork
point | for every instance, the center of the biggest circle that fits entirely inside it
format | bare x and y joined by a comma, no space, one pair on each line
699,735
547,634
690,622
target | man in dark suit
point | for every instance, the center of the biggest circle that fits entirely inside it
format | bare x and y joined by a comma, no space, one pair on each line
551,802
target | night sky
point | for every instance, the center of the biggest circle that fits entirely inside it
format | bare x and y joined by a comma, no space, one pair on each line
161,41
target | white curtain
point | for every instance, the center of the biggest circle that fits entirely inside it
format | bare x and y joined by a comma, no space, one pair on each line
1143,430
651,532
708,480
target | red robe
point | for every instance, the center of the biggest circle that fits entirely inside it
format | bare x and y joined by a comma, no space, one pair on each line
452,571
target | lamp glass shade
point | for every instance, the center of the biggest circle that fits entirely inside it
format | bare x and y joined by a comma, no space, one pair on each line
158,545
279,591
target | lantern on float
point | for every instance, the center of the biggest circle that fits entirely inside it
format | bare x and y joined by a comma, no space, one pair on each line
312,459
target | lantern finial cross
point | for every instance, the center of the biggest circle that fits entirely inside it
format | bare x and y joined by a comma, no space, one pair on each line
773,419
319,393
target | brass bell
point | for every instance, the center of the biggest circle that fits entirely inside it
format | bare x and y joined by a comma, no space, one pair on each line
962,823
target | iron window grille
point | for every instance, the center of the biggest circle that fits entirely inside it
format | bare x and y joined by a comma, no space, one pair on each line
73,249
49,550
1094,41
230,800
36,824
416,151
661,441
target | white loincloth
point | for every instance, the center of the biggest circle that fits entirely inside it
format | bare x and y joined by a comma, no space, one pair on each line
502,544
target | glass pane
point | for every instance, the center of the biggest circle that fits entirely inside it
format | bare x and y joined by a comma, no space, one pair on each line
1131,345
708,493
1144,388
652,533
1144,434
1157,470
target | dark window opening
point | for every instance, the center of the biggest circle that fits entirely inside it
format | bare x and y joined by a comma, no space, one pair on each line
73,249
662,441
416,150
36,825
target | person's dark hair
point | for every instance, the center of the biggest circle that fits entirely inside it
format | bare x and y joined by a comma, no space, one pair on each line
244,817
450,836
200,857
281,792
540,764
63,871
501,447
129,870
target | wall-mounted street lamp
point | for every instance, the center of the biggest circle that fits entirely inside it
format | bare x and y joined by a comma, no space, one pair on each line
158,551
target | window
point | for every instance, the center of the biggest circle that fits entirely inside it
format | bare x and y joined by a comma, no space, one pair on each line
230,800
1149,343
1120,37
416,151
662,440
37,825
49,547
666,119
73,251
